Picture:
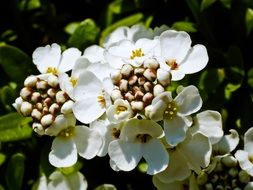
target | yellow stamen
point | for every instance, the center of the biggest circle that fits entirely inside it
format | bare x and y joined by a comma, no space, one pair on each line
67,133
137,53
171,110
173,64
73,81
120,109
101,100
52,70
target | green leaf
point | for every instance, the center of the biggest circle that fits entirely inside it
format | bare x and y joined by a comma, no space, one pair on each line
84,35
106,187
113,8
2,158
15,171
29,4
184,26
148,21
69,170
14,127
250,78
194,7
71,27
12,60
128,21
249,20
230,88
8,95
226,3
206,3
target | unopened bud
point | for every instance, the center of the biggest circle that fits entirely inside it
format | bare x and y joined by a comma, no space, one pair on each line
219,187
53,80
148,110
25,93
138,95
36,114
39,106
44,95
202,178
244,177
163,77
129,96
116,94
215,178
54,108
151,63
61,97
233,172
116,76
150,74
18,103
229,161
158,89
41,85
249,186
126,70
67,107
148,86
132,80
218,167
147,98
47,120
137,105
139,71
26,108
35,97
51,92
38,128
47,102
209,186
45,110
135,89
123,85
30,81
141,80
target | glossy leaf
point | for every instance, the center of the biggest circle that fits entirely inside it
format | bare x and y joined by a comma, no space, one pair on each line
71,27
249,20
2,158
184,26
206,3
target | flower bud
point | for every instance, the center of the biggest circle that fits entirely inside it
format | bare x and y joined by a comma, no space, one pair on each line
209,186
249,186
218,167
41,85
30,81
116,76
116,94
17,104
158,89
148,110
151,63
141,81
26,108
202,178
129,96
138,95
132,80
51,92
47,120
137,105
61,97
36,114
67,107
229,161
163,77
25,93
150,74
53,80
147,98
244,177
54,108
148,86
139,71
126,70
123,85
233,172
45,110
47,102
35,97
39,106
38,128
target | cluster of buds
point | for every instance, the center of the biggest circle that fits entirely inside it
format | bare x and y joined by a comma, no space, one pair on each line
139,85
227,175
43,100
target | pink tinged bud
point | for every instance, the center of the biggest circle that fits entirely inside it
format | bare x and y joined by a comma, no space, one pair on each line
47,120
158,89
30,81
137,105
67,107
44,95
47,102
123,85
163,77
132,80
139,71
35,97
38,128
150,74
148,86
45,110
147,98
54,108
151,63
39,106
116,94
61,97
126,70
141,81
53,81
36,114
135,89
138,95
129,96
25,93
51,92
26,108
41,85
116,76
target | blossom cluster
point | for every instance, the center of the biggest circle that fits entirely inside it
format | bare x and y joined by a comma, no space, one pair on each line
116,99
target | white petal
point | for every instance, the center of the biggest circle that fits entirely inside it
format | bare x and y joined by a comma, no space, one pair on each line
88,142
196,60
63,153
175,45
146,45
116,36
176,185
188,100
68,59
177,75
48,56
108,85
114,166
81,65
209,124
88,86
123,49
101,70
177,169
114,61
155,155
244,162
94,53
139,31
197,151
125,155
248,141
66,85
175,130
88,110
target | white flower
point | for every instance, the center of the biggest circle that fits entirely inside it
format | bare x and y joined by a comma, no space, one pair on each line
125,33
119,111
245,157
91,97
192,154
176,112
133,53
49,59
72,140
177,55
139,138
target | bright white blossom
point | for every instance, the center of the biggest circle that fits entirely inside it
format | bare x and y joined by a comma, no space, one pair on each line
139,138
49,59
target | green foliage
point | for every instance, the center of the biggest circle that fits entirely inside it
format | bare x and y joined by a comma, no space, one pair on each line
184,26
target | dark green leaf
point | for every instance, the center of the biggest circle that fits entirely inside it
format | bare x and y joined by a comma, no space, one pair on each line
15,172
106,187
2,158
249,20
29,4
226,3
250,78
8,95
71,27
206,3
184,26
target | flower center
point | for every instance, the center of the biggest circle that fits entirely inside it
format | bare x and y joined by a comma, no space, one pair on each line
137,53
120,109
173,64
101,100
143,138
73,81
52,70
115,133
67,133
171,110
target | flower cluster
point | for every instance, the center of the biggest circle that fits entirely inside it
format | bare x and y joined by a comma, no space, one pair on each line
120,91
